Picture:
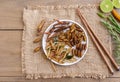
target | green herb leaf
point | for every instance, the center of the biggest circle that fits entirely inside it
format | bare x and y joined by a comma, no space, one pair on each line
69,56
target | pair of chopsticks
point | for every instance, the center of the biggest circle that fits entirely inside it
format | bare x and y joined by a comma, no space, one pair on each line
98,44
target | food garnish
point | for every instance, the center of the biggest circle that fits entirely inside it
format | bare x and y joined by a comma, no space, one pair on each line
116,14
116,3
114,29
109,15
106,6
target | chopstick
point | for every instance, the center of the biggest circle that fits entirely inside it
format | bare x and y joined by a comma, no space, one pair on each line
105,50
98,43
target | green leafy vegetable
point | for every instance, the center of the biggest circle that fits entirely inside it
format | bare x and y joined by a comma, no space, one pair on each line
101,15
114,29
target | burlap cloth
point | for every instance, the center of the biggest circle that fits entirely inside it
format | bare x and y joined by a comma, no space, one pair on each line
35,65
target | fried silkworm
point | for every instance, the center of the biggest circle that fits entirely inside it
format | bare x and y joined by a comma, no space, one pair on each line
37,40
37,49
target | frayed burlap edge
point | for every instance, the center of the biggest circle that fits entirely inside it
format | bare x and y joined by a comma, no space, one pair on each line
39,75
85,75
62,6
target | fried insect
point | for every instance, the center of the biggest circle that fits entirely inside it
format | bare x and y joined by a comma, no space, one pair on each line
37,40
64,41
37,49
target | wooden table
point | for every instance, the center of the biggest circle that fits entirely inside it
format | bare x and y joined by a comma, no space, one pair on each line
11,28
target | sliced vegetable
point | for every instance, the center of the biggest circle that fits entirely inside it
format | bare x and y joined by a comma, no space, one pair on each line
101,15
116,14
116,3
106,6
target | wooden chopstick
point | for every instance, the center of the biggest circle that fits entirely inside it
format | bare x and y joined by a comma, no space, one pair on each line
94,40
105,50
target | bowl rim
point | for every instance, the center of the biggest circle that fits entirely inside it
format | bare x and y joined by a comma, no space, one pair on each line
44,42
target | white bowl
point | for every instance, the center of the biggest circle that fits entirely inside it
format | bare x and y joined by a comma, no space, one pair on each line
45,38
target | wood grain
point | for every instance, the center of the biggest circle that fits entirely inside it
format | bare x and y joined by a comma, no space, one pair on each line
111,80
10,40
11,10
22,79
10,60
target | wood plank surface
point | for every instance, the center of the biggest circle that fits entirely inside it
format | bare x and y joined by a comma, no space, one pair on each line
111,80
21,79
10,41
11,10
10,59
